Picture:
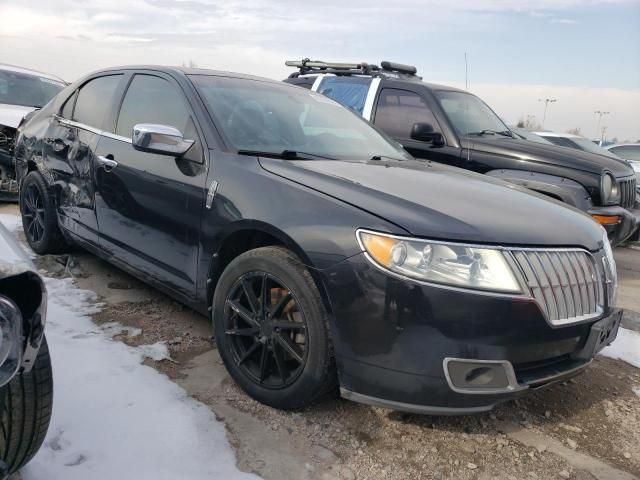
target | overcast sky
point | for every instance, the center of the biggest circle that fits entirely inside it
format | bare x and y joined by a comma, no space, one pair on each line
585,53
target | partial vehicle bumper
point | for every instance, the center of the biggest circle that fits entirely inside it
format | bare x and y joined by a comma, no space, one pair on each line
435,350
619,222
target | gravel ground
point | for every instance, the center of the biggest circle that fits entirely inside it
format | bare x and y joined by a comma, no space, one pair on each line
586,428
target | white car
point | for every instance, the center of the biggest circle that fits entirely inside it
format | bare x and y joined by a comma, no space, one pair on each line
629,152
21,92
575,141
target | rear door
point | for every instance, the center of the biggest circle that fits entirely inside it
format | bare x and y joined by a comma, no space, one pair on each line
397,110
70,144
149,205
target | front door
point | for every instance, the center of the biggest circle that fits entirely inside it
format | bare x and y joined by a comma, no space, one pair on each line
149,205
396,112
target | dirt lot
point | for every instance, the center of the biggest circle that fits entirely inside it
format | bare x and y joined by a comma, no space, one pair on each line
587,428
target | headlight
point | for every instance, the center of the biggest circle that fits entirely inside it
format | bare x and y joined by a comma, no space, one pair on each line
10,339
610,190
444,263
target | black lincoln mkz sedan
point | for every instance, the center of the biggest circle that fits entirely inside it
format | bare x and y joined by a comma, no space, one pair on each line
324,253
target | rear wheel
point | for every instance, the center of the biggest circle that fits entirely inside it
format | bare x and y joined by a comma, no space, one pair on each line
271,329
39,216
27,401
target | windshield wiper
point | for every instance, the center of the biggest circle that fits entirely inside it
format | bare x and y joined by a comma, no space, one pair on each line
284,154
506,133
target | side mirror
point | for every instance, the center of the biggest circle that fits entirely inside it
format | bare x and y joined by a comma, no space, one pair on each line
160,139
423,132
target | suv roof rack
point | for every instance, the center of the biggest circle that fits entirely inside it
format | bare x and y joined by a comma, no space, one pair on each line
307,66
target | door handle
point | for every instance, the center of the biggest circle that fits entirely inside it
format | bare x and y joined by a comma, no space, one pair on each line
107,162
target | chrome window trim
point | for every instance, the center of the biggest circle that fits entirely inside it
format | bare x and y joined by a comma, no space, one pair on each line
89,128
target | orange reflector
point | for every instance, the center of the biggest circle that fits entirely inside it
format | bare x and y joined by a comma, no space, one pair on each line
607,219
379,247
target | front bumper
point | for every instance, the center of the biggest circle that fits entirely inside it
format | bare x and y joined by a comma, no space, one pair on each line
391,338
629,222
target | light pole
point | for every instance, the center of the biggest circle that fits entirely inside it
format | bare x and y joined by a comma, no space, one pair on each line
546,101
600,113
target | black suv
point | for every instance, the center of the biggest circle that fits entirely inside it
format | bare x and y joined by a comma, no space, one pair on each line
324,253
452,126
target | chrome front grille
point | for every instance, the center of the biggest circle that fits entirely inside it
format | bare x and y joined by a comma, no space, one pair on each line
567,284
627,192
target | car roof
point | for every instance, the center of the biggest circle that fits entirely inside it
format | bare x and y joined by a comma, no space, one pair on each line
613,145
188,71
391,77
555,134
28,71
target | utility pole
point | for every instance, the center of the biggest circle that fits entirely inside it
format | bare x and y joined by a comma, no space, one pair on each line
602,137
546,101
600,114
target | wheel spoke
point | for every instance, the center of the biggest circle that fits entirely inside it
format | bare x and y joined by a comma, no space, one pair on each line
248,353
243,332
288,347
283,302
251,296
265,296
263,361
279,363
244,314
287,325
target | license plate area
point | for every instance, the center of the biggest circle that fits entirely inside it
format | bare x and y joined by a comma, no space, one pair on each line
602,333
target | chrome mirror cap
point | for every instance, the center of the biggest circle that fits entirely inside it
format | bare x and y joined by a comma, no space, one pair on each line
160,139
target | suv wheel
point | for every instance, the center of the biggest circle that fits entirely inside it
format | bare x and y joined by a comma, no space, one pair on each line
39,216
271,329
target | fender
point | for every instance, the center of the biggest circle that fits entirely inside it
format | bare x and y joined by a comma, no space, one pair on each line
564,189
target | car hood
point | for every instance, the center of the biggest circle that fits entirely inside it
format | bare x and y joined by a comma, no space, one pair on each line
550,154
11,115
13,260
436,201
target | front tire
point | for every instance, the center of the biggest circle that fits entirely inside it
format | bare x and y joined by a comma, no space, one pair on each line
26,412
271,329
39,216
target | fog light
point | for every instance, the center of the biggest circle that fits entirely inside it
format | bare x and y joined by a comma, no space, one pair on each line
607,219
480,376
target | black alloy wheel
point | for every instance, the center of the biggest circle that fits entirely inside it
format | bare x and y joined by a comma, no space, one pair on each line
39,216
272,329
268,330
33,213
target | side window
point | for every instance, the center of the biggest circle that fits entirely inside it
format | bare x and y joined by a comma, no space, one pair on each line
95,99
151,99
67,109
398,110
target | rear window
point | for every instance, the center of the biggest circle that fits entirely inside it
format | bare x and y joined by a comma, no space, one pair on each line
27,90
628,152
349,91
95,99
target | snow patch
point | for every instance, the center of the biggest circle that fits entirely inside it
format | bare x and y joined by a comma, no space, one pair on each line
113,329
13,223
157,352
114,417
625,347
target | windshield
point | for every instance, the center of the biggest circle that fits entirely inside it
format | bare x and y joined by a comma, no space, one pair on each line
269,117
469,114
27,90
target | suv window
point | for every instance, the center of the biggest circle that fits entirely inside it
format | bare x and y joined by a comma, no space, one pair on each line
349,91
152,99
95,99
561,142
398,110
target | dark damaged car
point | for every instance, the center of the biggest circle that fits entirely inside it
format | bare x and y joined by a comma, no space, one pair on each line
454,127
26,385
325,255
21,92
